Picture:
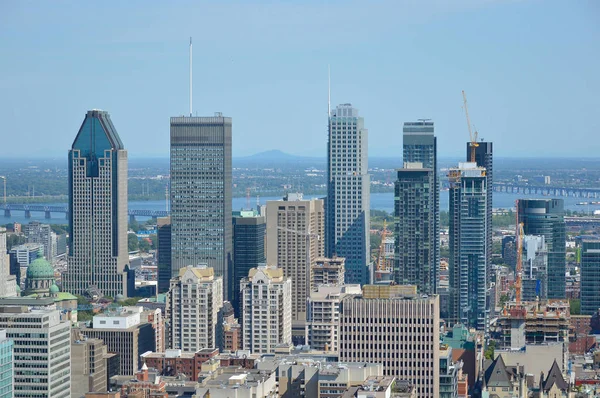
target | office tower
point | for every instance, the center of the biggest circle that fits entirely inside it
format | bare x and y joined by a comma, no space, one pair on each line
535,268
98,255
201,195
295,230
8,282
88,366
414,228
468,243
545,217
249,235
193,303
484,157
266,310
323,316
124,332
401,332
348,193
420,146
42,234
327,271
6,366
590,277
42,347
163,236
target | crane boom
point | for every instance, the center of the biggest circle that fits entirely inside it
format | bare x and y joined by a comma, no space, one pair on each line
472,135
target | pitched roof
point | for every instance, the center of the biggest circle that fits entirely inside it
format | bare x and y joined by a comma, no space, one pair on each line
496,374
555,377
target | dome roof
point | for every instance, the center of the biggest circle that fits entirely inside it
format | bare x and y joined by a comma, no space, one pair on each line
119,297
40,269
54,289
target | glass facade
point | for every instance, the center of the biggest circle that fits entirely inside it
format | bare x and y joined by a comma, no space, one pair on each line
163,236
6,366
590,277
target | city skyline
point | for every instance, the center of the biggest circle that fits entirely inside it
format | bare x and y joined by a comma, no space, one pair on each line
506,95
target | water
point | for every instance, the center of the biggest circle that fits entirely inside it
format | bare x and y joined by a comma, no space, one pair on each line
379,201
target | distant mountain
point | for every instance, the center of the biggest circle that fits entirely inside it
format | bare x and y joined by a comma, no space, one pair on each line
275,155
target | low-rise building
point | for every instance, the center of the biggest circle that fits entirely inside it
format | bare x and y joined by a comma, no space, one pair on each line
178,363
327,271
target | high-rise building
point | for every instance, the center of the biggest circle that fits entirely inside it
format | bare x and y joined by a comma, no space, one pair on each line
348,193
414,228
484,157
201,229
42,348
401,332
98,255
163,236
590,277
8,282
468,243
37,232
420,146
327,271
266,310
535,268
295,230
6,366
249,237
193,304
88,366
545,217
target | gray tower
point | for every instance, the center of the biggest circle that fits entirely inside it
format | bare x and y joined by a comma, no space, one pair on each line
414,228
201,195
97,209
468,243
348,193
546,217
590,276
420,145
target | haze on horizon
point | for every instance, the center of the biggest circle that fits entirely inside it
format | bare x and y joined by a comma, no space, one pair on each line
529,69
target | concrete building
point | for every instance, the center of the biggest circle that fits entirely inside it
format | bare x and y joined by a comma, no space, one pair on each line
232,382
327,271
163,236
323,316
193,304
88,367
37,232
42,352
398,331
419,145
450,372
6,366
8,282
545,217
468,245
295,238
97,202
590,277
201,228
178,363
348,193
336,378
249,244
266,309
415,227
535,268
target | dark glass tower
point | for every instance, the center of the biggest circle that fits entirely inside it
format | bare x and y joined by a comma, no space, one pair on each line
590,277
164,253
98,253
201,195
248,249
420,145
546,217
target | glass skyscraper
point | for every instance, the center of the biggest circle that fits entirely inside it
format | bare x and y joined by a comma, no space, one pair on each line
201,229
546,217
420,146
6,366
163,236
98,254
590,277
347,219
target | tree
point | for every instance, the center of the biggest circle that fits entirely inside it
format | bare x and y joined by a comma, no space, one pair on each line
490,350
14,240
59,229
132,242
144,245
575,306
503,300
154,240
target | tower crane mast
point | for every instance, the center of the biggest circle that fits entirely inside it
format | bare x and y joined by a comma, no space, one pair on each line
472,134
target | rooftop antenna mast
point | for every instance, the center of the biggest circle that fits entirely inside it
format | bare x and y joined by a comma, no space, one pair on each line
190,76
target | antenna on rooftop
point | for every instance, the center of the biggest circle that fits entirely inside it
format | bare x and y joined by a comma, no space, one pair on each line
190,76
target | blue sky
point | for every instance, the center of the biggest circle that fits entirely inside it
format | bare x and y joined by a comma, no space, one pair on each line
530,70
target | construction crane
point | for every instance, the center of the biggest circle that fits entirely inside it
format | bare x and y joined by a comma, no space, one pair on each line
519,269
472,135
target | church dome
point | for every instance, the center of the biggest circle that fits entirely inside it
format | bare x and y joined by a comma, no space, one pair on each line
40,269
54,289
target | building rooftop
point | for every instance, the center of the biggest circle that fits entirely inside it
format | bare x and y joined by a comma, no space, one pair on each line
200,272
271,272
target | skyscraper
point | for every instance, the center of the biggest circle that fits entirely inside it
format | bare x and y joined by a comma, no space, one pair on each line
414,227
37,232
590,276
8,282
348,193
294,242
201,229
163,236
468,243
420,146
98,254
546,217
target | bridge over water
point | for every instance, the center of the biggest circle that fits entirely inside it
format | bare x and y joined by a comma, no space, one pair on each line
48,210
580,192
